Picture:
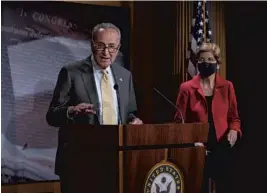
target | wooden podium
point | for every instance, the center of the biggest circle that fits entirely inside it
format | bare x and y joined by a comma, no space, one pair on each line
118,159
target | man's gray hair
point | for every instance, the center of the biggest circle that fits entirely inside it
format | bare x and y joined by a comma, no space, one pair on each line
105,26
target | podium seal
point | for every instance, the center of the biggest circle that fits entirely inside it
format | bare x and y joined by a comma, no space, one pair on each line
164,177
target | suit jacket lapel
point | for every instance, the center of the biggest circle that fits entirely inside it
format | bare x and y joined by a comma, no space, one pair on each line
195,83
89,82
118,80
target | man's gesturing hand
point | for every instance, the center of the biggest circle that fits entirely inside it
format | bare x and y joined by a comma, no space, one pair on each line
82,108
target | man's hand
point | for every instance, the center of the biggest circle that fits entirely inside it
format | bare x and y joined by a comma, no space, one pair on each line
136,121
232,137
82,108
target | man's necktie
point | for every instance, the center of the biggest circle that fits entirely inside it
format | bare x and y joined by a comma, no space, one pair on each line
108,109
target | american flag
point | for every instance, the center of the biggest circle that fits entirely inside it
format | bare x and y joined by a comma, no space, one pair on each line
198,34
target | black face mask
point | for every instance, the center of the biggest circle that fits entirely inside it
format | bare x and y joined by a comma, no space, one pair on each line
206,69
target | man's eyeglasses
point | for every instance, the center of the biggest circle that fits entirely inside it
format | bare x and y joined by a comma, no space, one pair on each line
102,47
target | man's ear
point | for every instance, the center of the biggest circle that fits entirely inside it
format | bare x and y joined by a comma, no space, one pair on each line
92,46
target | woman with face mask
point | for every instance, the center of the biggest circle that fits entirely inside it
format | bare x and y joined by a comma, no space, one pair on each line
208,98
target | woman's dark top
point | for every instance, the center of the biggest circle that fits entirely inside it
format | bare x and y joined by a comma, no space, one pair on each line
212,139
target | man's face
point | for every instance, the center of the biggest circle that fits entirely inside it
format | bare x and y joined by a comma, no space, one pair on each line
105,47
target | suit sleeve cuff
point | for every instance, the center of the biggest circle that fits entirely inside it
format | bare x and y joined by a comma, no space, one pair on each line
69,115
235,125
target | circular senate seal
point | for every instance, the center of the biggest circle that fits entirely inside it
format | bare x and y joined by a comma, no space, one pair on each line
164,177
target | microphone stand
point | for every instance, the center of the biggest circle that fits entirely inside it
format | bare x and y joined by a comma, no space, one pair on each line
181,115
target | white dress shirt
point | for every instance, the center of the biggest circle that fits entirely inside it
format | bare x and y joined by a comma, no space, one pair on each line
98,76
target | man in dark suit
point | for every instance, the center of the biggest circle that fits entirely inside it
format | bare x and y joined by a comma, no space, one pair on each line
93,91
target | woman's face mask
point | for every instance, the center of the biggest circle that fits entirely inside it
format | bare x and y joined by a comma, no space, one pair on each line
207,68
207,64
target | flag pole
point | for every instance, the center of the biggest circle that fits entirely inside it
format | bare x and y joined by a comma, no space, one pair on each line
204,22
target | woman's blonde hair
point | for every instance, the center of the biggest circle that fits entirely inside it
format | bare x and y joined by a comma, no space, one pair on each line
210,47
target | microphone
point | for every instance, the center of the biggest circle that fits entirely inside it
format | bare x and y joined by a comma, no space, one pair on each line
116,88
170,103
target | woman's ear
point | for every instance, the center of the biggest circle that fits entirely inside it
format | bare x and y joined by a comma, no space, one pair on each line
196,69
